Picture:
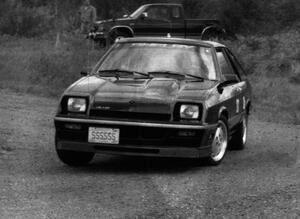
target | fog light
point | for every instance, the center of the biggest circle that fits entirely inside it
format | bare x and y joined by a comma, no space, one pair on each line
186,133
73,126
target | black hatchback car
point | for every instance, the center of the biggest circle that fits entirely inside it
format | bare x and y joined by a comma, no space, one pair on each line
156,97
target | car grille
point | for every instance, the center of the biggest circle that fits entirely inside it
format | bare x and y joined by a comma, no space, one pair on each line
130,115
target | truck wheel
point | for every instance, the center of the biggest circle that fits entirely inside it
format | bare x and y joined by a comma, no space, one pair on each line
74,158
239,138
212,35
220,143
115,35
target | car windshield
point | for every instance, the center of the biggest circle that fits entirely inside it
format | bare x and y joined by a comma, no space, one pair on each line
161,58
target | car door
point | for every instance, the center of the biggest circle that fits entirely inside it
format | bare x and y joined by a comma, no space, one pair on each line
232,95
155,21
244,85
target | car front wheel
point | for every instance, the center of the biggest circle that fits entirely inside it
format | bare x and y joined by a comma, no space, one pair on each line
220,143
114,36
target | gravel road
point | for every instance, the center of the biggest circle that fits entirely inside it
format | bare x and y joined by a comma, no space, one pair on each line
263,181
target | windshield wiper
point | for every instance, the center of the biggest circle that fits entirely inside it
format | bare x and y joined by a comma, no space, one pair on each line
118,71
169,73
196,77
177,74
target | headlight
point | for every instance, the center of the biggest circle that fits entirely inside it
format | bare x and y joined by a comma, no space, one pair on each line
189,111
77,105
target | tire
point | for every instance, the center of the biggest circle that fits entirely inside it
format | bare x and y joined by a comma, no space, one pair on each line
117,35
212,35
220,143
239,138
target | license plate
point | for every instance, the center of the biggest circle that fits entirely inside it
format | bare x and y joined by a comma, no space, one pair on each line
104,135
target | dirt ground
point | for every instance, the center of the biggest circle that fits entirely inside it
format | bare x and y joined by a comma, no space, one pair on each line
263,181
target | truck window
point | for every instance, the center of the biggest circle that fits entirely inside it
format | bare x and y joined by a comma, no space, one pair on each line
158,13
225,66
176,13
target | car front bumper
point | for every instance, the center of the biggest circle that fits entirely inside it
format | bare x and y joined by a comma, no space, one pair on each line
137,138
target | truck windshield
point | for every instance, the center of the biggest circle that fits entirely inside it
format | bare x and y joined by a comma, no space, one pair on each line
161,57
138,12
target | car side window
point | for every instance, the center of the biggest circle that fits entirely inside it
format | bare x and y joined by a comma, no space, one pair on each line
158,13
225,66
237,66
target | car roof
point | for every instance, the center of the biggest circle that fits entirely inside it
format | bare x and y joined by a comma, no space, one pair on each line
165,4
170,40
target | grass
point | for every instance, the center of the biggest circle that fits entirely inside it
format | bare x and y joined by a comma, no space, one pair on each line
36,65
271,62
273,67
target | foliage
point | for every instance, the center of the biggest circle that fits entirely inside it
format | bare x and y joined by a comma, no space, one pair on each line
36,65
18,19
273,67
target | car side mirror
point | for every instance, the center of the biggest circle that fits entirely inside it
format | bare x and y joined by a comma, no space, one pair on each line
223,84
144,15
84,73
125,15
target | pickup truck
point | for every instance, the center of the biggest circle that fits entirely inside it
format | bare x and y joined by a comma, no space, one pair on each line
161,19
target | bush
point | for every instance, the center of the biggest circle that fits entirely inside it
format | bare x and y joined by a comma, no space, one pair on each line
35,64
25,21
288,12
273,67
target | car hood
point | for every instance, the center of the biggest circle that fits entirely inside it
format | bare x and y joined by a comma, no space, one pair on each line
141,95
